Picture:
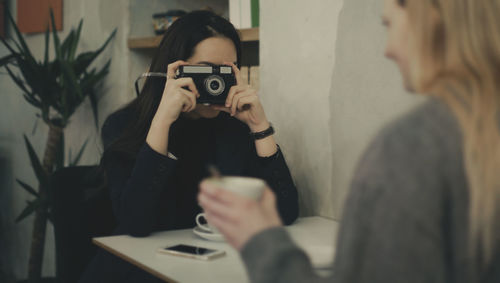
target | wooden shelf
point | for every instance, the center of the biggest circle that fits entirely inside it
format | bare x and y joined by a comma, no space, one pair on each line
251,34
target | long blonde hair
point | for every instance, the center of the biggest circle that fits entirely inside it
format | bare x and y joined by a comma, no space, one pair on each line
456,48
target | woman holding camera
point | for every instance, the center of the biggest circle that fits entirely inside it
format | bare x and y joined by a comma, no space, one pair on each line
424,204
158,148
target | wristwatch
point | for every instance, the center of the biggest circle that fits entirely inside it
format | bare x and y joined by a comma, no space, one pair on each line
264,134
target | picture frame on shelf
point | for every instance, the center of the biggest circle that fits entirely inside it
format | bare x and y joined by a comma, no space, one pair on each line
33,16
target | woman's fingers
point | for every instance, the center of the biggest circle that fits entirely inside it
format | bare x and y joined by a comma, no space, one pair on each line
172,68
221,203
218,209
232,92
191,99
189,83
236,99
238,218
268,200
216,193
237,73
245,102
228,229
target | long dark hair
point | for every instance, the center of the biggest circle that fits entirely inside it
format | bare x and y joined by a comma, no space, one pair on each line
178,43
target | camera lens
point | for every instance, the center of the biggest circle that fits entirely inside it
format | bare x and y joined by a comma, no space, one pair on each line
214,85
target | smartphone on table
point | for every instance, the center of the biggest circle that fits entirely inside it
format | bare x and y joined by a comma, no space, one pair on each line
192,252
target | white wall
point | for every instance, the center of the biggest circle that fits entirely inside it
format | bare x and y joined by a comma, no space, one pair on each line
328,89
366,91
296,66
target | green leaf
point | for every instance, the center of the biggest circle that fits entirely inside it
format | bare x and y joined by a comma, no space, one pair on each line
4,42
47,43
57,43
67,44
17,80
36,164
24,59
76,41
85,59
29,75
28,188
28,210
25,49
91,80
79,155
72,96
31,100
7,59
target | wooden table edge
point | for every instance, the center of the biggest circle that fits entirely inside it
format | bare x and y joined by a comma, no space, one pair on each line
132,261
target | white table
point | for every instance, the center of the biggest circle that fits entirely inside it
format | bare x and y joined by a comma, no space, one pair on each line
316,235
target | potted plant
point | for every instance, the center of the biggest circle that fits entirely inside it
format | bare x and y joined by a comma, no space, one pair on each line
56,87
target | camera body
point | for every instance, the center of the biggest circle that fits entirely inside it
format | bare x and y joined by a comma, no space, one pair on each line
213,82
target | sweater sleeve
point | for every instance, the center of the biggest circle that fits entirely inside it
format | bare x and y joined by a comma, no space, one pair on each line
135,185
272,257
135,194
275,172
392,227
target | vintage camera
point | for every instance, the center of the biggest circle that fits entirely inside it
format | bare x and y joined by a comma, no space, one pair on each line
213,82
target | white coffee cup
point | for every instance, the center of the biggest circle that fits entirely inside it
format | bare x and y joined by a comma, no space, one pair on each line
245,186
205,227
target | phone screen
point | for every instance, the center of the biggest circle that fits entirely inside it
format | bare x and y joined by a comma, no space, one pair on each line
190,249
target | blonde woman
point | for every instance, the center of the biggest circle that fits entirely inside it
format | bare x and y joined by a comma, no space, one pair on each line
424,204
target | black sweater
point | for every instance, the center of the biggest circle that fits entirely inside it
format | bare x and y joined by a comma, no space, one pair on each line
155,192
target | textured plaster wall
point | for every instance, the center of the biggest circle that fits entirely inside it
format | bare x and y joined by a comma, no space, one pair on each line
328,89
366,91
297,44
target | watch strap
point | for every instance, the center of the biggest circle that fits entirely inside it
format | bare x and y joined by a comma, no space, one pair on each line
263,134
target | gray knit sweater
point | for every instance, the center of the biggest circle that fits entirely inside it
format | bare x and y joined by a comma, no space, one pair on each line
405,219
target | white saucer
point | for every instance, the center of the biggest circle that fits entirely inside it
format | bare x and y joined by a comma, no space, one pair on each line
208,235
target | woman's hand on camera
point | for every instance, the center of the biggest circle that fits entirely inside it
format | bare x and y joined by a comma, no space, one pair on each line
176,98
244,104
